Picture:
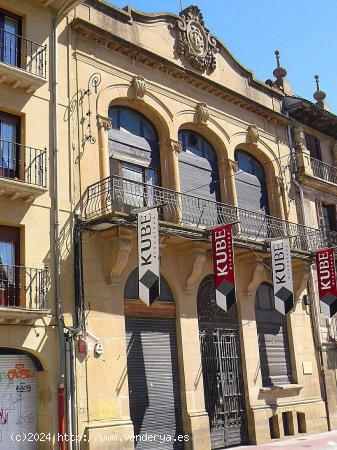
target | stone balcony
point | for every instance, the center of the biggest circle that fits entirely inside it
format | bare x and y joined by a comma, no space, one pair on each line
23,171
315,173
23,63
23,294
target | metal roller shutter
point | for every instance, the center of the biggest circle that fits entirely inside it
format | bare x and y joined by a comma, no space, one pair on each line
250,193
153,375
273,348
198,180
18,401
196,173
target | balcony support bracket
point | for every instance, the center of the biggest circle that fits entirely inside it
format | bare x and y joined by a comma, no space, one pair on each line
117,248
197,254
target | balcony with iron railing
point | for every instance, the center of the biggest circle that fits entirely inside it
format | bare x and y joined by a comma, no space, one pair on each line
23,62
324,171
117,195
23,293
315,173
23,170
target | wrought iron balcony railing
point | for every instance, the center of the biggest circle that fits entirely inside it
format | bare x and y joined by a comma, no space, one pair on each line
23,287
122,195
323,171
23,163
23,53
330,238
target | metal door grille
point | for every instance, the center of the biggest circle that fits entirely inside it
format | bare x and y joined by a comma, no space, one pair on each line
222,373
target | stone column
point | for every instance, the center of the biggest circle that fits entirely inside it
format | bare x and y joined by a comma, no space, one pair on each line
104,125
172,149
281,197
230,169
275,196
190,265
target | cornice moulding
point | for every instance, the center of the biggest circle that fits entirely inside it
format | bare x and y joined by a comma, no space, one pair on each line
159,89
104,38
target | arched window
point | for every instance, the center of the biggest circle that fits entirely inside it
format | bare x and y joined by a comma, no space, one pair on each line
273,339
251,184
131,291
133,146
198,165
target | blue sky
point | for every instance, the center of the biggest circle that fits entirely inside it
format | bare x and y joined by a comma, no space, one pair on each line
304,31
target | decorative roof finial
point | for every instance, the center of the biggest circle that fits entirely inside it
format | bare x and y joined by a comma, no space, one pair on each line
280,72
319,95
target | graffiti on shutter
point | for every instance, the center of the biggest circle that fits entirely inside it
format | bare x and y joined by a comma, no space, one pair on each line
18,400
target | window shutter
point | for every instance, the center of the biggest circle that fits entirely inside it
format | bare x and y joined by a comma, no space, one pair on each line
319,212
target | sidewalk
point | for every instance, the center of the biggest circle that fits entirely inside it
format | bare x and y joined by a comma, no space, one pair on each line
321,441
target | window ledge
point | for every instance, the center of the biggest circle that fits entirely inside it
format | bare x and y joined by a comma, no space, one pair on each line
19,78
19,190
282,388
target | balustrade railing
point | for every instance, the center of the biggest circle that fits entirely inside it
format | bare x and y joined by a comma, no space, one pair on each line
122,195
323,170
23,53
23,163
23,287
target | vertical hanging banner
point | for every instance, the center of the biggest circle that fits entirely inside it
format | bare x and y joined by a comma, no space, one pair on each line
223,262
148,255
282,275
326,277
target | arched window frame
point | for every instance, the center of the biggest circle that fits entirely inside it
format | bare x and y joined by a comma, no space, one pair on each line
135,169
204,149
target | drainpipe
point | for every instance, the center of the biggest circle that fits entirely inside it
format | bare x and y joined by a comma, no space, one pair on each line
61,388
315,309
66,7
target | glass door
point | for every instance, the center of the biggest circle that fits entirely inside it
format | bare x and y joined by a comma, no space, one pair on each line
9,40
9,269
9,155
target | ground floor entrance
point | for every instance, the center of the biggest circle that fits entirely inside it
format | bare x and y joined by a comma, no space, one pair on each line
154,387
222,373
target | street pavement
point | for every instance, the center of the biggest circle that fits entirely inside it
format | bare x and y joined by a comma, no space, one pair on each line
322,441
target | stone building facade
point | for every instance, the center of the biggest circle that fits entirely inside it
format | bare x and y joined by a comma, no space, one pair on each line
144,110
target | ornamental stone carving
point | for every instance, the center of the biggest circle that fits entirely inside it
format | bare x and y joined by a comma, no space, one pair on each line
201,113
139,87
253,135
299,137
175,146
104,122
195,45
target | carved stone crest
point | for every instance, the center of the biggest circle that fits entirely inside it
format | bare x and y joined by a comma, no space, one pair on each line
195,45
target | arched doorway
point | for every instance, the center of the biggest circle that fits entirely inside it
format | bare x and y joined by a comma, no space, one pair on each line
19,410
221,367
134,156
153,371
273,339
